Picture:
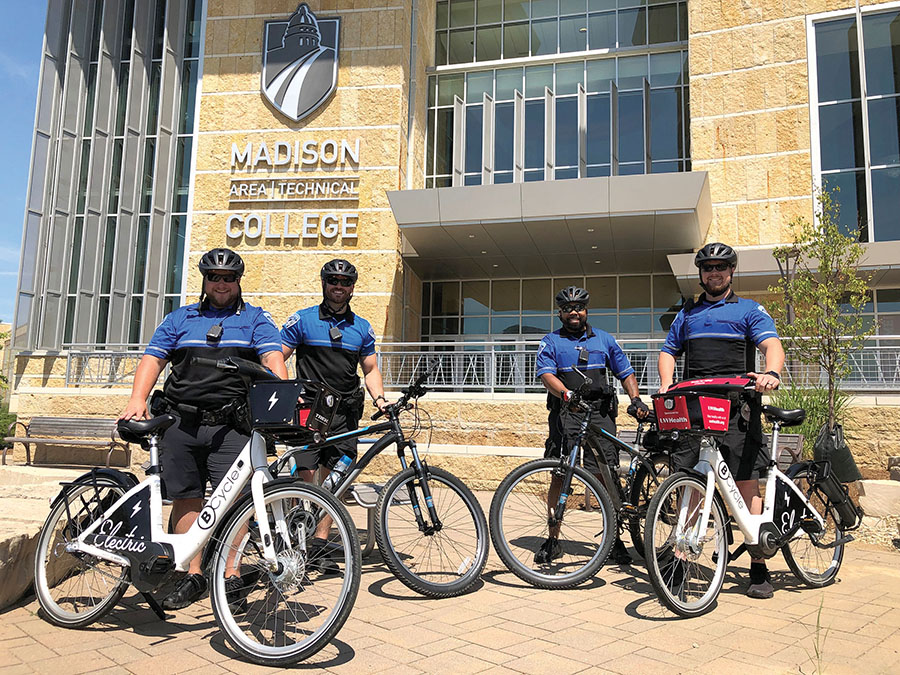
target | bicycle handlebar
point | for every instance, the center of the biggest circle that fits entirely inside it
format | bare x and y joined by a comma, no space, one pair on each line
235,364
414,390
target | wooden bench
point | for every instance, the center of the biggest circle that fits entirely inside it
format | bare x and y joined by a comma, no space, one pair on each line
90,432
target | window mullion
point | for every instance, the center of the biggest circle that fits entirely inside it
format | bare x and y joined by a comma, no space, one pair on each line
870,214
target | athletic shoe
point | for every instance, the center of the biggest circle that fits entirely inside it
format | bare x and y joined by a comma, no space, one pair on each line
550,550
761,589
190,589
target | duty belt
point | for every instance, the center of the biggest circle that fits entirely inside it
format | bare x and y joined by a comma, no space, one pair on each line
223,415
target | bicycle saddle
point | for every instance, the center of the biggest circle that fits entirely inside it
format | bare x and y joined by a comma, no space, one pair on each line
135,431
788,418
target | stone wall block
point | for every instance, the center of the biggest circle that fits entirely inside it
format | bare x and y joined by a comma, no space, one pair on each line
789,40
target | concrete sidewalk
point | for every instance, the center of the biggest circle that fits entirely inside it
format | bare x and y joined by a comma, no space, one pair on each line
610,624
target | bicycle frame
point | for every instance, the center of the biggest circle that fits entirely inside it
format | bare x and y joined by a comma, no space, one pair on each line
106,539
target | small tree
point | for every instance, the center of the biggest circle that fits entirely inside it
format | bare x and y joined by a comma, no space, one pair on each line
820,277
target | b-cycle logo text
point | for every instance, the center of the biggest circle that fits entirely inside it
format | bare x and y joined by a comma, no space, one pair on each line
207,517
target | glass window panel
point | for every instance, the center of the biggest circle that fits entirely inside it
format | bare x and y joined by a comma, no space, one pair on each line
837,60
448,87
509,81
83,175
444,141
600,73
665,124
442,20
122,88
534,134
598,171
537,78
115,176
631,3
564,282
595,5
441,48
633,169
537,296
147,187
886,203
505,177
140,255
665,167
70,320
102,320
505,297
475,325
462,44
515,40
474,179
634,293
567,132
598,129
881,37
884,131
109,247
432,91
665,69
503,138
153,113
607,322
176,254
537,325
602,30
75,261
666,294
542,8
474,121
889,324
444,181
127,29
566,174
192,30
662,24
182,174
445,298
635,323
867,307
479,84
841,136
543,37
505,325
572,6
476,297
449,326
573,34
462,13
631,127
89,103
603,292
489,11
487,44
632,27
662,322
850,197
682,22
534,176
159,26
632,72
134,327
888,300
426,299
514,10
429,151
568,77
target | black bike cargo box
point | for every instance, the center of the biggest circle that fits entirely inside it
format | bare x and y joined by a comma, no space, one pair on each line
275,404
702,405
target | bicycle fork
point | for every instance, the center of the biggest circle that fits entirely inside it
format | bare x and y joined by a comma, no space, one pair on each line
559,510
421,471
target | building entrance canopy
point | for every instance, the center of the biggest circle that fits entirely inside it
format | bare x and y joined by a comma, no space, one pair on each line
588,226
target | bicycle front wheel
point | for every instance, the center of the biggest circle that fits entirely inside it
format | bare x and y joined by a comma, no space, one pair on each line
282,616
521,532
642,490
812,553
438,563
76,589
686,566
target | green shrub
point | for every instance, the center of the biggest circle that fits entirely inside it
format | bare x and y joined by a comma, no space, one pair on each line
815,402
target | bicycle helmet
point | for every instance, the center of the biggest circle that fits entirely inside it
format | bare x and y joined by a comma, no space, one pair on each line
716,251
572,294
221,259
340,267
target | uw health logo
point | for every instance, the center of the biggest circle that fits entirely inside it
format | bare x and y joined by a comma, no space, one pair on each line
300,62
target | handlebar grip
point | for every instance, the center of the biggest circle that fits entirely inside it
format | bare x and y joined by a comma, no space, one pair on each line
377,414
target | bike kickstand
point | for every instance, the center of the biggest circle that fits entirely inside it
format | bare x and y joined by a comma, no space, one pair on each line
154,605
737,552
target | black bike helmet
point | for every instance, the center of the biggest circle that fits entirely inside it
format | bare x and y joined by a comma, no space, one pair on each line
221,259
716,251
340,267
572,294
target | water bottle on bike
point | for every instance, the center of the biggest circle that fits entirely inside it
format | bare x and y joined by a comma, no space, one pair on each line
333,478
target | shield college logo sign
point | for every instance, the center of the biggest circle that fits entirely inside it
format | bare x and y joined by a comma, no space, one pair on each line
300,62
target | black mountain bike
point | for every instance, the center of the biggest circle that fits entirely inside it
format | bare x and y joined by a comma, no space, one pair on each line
559,497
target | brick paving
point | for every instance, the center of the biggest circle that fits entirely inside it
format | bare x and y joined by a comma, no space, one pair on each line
610,624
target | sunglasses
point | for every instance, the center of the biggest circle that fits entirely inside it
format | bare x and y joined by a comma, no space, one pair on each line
717,267
227,278
566,309
339,281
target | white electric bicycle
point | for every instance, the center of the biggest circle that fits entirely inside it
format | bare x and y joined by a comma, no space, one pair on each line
806,512
105,530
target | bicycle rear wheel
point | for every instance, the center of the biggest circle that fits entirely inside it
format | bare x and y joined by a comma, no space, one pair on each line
519,525
686,567
642,490
437,564
76,589
812,554
280,617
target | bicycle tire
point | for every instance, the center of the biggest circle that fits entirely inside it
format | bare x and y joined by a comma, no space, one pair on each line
442,564
642,490
519,526
75,590
661,532
281,618
813,565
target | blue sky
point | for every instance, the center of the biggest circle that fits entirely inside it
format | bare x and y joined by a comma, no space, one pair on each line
21,35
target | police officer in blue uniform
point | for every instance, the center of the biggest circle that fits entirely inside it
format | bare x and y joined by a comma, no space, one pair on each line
210,404
331,342
719,334
595,353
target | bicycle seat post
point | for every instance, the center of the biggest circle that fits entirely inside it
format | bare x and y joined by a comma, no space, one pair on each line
154,453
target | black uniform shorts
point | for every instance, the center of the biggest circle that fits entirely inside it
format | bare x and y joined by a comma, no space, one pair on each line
564,427
344,420
743,446
192,454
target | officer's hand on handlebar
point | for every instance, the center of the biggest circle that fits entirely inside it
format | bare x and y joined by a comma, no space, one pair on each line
765,381
381,403
638,408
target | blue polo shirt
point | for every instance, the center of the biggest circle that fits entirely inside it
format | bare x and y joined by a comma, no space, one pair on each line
325,359
593,352
248,333
719,338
